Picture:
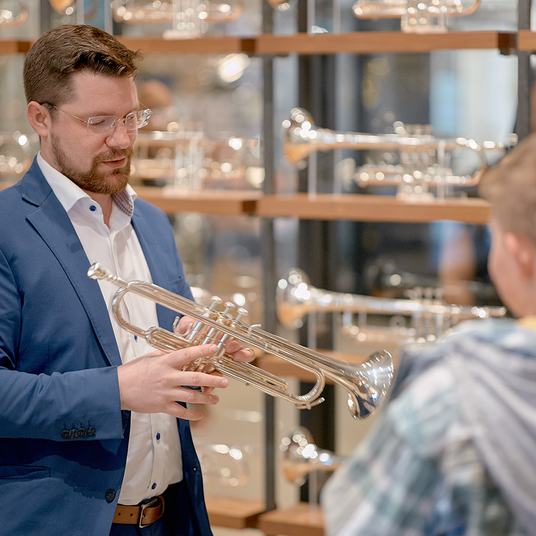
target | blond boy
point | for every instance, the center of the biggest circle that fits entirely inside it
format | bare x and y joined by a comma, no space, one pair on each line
455,450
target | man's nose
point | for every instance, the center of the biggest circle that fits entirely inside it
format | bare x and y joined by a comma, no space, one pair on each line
120,136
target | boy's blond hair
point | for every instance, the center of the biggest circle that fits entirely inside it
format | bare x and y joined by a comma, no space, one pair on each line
510,187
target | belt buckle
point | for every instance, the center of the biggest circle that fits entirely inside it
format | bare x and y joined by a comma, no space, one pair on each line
143,507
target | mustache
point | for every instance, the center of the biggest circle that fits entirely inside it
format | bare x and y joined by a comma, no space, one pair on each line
115,154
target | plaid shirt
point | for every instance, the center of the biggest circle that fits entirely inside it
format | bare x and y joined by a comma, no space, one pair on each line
419,473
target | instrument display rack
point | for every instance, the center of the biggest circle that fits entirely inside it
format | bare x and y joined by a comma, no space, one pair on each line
265,204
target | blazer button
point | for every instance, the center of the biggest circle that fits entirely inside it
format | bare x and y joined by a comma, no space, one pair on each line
110,495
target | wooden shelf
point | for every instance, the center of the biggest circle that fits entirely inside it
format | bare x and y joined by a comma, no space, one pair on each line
526,40
234,513
216,202
299,520
14,47
303,43
358,207
328,207
203,45
376,42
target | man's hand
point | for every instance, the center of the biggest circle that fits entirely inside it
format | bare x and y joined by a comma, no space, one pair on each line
154,383
233,347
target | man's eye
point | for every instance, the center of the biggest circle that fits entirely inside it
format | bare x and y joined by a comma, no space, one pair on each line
100,121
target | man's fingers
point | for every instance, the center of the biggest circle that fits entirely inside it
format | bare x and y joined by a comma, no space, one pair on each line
200,379
184,325
184,356
176,410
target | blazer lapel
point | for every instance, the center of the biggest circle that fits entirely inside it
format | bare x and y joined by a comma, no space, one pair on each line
55,228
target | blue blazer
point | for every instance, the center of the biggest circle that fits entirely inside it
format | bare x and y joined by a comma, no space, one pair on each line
63,436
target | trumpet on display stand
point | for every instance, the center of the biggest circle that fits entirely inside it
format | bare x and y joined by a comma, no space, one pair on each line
223,466
417,162
302,460
12,13
189,18
367,384
430,317
187,160
417,16
301,456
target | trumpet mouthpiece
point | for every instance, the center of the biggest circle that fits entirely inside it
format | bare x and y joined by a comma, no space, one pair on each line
97,271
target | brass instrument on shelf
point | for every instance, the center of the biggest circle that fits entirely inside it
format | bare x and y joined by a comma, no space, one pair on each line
188,160
301,456
430,317
15,154
188,17
423,159
12,13
223,466
367,384
420,16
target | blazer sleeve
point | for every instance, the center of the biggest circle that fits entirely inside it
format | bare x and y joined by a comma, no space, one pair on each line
71,405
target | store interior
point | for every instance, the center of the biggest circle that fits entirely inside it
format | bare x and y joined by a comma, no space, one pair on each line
276,144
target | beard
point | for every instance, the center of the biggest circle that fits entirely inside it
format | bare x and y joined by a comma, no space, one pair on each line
92,180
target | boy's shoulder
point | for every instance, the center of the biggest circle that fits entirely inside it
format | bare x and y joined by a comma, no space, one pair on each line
424,404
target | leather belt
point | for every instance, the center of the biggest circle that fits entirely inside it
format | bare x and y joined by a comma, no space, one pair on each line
141,514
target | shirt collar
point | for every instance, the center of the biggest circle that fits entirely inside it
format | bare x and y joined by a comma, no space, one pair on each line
68,193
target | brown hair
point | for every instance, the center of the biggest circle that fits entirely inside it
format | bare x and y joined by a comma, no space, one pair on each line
510,187
67,49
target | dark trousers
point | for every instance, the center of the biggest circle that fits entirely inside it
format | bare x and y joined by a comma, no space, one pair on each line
176,521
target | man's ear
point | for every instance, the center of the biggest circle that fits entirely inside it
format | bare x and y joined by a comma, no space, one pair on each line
523,252
39,118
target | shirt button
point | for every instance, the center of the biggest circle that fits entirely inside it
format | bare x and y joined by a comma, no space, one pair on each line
93,208
158,436
153,486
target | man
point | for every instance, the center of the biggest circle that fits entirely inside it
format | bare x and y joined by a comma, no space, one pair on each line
454,453
94,431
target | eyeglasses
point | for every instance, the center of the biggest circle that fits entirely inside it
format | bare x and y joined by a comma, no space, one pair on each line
105,124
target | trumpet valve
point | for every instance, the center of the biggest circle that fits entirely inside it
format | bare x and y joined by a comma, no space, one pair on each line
216,300
241,313
229,306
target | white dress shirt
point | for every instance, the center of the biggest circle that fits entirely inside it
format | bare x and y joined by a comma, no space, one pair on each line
154,451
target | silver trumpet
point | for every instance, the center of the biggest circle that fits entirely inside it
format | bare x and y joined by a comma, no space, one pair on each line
301,456
423,156
388,9
189,17
367,384
223,466
430,318
416,15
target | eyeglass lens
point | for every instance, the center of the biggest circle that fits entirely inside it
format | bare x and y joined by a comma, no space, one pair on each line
132,122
